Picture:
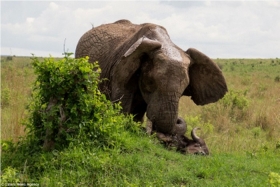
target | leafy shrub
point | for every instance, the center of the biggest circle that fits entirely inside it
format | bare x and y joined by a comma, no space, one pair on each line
10,175
9,58
233,107
235,99
67,111
197,121
67,105
274,179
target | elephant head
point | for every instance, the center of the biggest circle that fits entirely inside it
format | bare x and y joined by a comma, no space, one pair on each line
159,73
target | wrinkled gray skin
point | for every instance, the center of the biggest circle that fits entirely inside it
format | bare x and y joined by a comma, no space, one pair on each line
196,145
148,73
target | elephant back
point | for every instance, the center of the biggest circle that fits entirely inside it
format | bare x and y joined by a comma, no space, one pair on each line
105,40
106,44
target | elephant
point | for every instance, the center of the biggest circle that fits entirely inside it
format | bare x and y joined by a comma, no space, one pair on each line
144,70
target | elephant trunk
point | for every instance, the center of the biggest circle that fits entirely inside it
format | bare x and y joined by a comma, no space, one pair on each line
163,112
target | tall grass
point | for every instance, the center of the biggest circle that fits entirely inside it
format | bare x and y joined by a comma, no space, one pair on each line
248,117
16,85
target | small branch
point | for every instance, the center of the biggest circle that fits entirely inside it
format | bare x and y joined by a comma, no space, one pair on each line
64,46
118,99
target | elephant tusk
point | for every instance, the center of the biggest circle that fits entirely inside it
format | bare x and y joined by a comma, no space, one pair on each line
194,135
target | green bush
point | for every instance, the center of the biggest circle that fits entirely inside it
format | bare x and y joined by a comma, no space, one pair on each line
9,58
235,99
274,179
197,121
234,107
66,111
9,176
67,105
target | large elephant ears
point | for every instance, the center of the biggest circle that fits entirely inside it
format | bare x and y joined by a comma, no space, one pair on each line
207,83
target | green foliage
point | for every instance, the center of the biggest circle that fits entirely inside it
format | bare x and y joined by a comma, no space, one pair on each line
257,131
148,164
10,175
235,99
236,103
5,97
274,179
234,106
67,105
277,146
67,111
197,121
9,58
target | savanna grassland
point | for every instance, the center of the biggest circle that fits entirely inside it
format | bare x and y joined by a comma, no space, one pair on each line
242,131
248,117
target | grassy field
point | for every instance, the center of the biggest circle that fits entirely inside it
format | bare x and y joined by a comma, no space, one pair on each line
250,110
242,132
16,85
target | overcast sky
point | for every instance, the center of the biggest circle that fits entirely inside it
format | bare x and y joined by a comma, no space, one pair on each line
220,29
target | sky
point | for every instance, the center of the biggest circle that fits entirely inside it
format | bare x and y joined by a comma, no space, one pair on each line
220,29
